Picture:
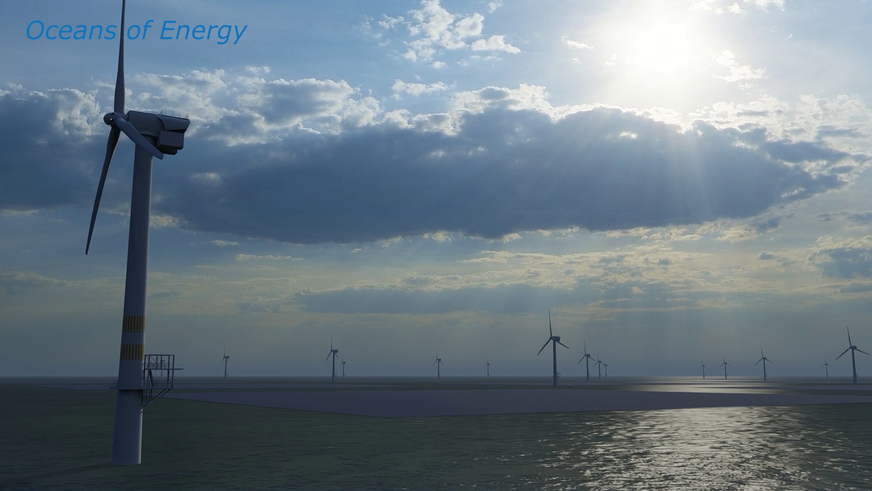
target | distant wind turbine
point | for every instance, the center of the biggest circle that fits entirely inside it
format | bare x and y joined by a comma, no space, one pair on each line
554,340
725,365
764,360
586,359
438,364
606,368
853,348
826,367
599,366
334,353
343,367
224,362
703,368
487,366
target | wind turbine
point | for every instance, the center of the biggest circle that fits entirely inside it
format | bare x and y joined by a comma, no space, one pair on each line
487,366
224,362
586,359
606,368
438,364
343,367
334,353
853,348
599,366
554,340
703,368
154,135
725,365
764,360
826,367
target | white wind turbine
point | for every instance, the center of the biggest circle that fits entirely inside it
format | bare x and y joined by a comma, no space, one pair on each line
343,367
334,354
554,340
438,364
154,136
703,368
487,366
853,348
586,359
725,365
224,362
764,360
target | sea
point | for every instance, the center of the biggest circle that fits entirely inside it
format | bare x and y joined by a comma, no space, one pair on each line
61,439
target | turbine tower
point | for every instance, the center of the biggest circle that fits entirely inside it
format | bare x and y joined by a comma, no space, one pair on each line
154,135
334,353
826,367
725,365
487,366
224,362
853,348
703,368
554,340
586,359
438,364
764,360
343,367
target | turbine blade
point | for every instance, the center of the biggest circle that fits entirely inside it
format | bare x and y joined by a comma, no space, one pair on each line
861,351
114,133
561,344
437,359
550,332
758,362
136,137
328,356
119,78
543,347
843,352
849,336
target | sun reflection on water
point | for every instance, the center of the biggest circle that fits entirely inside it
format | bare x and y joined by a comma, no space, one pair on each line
707,448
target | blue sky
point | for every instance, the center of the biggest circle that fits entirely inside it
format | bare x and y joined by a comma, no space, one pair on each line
675,180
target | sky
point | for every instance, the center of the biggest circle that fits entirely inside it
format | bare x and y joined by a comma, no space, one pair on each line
679,182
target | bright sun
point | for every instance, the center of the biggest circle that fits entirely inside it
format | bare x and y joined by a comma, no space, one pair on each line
659,49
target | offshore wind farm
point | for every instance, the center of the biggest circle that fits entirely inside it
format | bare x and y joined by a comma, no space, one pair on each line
661,182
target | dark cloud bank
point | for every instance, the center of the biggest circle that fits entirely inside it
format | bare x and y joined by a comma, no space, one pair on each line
504,171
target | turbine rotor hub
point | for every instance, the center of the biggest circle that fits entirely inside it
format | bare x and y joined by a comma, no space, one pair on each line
109,118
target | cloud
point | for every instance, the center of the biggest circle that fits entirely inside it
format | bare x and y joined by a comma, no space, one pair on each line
417,89
434,30
500,162
574,44
15,283
738,72
845,258
49,152
765,4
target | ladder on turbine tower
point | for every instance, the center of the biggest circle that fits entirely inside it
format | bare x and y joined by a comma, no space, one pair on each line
158,376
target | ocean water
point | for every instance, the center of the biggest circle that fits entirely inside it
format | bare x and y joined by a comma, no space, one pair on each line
195,445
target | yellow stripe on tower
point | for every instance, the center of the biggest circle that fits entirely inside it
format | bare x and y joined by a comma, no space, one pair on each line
133,323
132,352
